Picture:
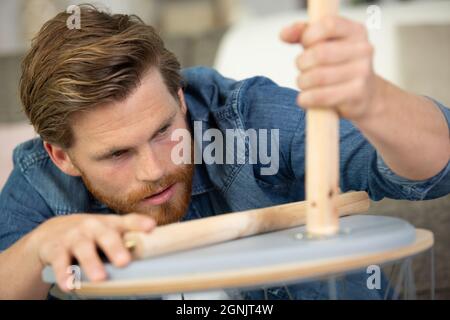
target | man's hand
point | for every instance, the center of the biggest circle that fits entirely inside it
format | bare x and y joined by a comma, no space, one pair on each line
409,132
59,240
335,67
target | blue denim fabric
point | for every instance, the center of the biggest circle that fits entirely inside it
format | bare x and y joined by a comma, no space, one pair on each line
37,190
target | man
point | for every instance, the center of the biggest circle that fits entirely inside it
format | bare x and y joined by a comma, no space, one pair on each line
107,101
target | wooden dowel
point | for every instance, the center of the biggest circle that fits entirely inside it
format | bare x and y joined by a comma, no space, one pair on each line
322,152
224,227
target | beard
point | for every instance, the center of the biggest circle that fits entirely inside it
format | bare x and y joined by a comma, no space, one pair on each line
171,211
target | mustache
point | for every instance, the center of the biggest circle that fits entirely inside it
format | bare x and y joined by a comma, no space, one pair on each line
150,189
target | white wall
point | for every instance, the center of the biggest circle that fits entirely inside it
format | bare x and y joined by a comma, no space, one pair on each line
252,46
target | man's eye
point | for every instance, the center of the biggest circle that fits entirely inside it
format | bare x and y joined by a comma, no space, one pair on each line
164,129
118,154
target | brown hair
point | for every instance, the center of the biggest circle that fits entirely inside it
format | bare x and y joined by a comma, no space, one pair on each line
70,70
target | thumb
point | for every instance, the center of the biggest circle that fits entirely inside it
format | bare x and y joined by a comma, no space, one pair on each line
293,33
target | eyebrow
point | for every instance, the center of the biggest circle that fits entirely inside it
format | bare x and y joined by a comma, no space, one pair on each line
109,152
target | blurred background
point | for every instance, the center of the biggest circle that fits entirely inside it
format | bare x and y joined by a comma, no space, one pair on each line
240,39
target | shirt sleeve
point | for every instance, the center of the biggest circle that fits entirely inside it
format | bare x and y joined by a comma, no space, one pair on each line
21,209
434,187
363,169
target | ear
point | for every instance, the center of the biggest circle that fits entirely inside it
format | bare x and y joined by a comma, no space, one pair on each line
182,101
61,159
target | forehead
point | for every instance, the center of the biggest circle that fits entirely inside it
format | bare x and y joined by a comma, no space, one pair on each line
143,110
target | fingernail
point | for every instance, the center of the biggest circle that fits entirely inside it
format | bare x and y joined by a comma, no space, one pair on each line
285,31
98,274
123,257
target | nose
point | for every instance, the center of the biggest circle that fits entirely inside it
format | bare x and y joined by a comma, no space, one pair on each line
148,166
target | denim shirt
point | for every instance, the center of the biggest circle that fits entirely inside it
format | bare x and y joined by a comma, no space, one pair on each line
37,190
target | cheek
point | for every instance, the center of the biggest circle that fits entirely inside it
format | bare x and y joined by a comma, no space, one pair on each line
164,151
165,146
112,179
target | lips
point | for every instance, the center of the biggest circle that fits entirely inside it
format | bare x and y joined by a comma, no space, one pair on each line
160,197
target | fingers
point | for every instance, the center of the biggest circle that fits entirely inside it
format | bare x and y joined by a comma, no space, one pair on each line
334,74
107,234
293,33
56,255
81,236
110,240
85,251
60,265
112,245
331,96
333,52
335,66
333,28
138,222
132,222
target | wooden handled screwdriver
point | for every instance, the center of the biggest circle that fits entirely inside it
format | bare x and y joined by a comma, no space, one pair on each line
196,233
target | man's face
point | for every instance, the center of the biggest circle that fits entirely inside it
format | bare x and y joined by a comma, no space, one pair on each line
122,151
